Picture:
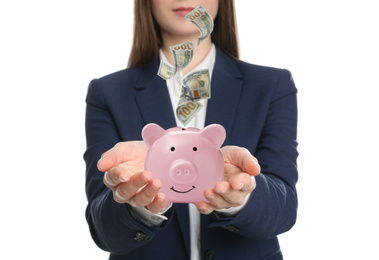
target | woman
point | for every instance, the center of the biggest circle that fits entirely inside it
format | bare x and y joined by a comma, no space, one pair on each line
256,105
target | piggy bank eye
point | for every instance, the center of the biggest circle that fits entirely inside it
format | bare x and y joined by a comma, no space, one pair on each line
172,149
194,149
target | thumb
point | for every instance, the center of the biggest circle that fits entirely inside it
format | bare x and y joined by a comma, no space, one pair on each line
242,158
109,159
121,152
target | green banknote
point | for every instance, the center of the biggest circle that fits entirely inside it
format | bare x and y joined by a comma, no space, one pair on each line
182,55
195,86
165,71
187,111
204,22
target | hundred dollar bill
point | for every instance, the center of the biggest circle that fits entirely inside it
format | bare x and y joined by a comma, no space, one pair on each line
204,22
187,111
196,86
182,55
165,70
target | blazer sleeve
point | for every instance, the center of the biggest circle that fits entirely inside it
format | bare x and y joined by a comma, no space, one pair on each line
112,226
272,206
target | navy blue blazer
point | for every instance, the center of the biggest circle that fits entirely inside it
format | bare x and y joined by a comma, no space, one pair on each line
258,108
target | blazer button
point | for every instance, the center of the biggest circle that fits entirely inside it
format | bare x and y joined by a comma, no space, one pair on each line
141,237
232,228
210,254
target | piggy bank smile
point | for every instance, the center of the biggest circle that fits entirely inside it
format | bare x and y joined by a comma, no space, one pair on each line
172,188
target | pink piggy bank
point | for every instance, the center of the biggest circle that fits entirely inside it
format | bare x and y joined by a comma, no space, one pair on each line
186,160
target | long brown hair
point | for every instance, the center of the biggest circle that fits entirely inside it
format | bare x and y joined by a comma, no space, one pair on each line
147,37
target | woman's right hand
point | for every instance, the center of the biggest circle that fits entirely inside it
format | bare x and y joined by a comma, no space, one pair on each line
125,176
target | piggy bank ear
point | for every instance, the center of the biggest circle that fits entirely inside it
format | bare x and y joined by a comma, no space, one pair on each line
151,133
214,133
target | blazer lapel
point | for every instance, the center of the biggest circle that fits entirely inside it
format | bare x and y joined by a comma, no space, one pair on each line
226,85
153,98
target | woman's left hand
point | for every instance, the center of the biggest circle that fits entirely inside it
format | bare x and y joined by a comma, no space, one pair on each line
238,182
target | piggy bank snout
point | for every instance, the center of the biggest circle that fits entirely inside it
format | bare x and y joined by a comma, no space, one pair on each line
182,172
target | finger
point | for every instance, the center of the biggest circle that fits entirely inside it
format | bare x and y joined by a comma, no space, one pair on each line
242,182
157,203
146,194
115,176
205,207
227,197
221,187
215,200
241,185
233,197
109,181
127,190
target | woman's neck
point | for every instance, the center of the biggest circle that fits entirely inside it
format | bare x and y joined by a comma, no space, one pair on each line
200,52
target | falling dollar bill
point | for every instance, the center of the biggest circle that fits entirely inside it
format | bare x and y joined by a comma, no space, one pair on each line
182,55
165,71
196,86
187,111
204,22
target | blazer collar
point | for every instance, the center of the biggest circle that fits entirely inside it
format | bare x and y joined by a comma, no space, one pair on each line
226,84
153,98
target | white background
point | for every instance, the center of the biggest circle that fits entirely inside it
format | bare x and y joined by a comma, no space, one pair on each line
50,50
